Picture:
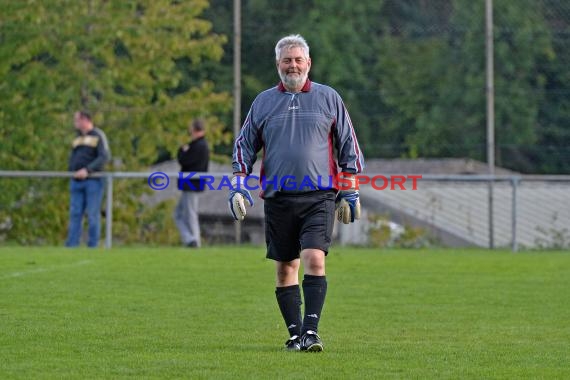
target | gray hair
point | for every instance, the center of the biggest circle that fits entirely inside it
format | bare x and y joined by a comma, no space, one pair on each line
291,41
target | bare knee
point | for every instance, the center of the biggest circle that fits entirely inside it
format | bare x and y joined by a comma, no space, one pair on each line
287,273
313,261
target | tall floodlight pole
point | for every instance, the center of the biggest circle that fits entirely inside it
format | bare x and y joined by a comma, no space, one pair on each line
237,67
237,87
490,94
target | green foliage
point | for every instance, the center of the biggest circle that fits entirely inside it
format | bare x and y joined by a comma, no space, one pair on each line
554,239
117,59
136,223
342,50
437,84
551,237
412,72
381,235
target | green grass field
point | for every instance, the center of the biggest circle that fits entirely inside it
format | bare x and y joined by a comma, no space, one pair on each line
177,313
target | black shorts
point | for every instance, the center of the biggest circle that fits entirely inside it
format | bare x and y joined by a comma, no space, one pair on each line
294,222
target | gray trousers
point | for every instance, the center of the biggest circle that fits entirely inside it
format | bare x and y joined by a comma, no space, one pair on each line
186,217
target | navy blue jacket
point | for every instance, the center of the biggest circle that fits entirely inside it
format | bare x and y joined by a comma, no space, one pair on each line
90,151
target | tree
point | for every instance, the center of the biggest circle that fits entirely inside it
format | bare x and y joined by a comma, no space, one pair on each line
117,59
551,154
339,34
436,84
412,72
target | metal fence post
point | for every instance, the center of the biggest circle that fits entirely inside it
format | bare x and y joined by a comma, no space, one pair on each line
514,243
491,221
237,231
109,212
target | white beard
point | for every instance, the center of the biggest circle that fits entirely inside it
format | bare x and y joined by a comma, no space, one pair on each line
293,81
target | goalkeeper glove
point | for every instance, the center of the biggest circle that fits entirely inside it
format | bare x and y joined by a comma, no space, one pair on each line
238,195
348,201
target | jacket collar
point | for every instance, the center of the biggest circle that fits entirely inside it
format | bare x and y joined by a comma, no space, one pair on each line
306,86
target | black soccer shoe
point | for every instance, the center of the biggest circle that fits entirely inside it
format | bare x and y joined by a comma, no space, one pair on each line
293,343
311,342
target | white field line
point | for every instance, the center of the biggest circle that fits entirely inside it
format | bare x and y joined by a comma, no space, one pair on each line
45,269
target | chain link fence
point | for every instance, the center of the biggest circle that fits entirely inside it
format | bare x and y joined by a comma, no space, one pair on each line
531,212
528,212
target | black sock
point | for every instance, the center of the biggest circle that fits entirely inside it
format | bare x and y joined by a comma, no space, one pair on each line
315,291
289,300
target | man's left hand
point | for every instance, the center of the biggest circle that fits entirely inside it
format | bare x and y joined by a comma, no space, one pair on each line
348,199
81,174
348,206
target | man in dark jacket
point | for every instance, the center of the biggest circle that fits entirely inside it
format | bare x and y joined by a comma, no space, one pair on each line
193,157
90,152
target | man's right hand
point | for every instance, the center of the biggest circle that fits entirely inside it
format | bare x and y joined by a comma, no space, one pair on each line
238,195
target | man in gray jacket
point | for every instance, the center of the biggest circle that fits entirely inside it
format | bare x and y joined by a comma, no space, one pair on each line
306,134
